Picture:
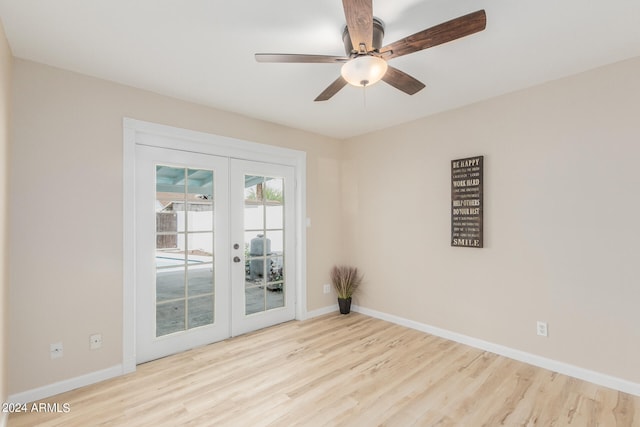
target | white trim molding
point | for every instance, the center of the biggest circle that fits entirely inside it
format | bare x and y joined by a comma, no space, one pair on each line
65,385
531,359
322,311
594,377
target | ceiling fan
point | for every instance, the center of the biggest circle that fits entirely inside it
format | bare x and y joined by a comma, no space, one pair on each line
366,59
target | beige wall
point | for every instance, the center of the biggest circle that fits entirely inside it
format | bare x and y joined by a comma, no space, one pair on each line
66,229
5,114
561,228
560,175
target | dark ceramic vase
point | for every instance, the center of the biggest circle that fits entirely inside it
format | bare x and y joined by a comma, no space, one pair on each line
345,305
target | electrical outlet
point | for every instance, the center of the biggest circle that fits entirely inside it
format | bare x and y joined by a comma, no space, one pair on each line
542,328
55,350
95,341
326,288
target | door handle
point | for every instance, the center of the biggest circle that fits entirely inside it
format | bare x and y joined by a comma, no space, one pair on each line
236,259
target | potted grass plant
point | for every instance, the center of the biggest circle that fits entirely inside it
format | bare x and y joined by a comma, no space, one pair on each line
346,280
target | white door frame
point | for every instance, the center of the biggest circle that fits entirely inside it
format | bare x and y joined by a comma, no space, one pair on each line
147,133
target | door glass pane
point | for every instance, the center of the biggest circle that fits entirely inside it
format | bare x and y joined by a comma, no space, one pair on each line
200,185
275,283
170,191
275,272
253,216
276,242
170,317
274,203
200,279
275,299
276,269
200,311
275,216
254,295
168,257
199,199
253,202
200,216
184,249
264,245
169,284
200,248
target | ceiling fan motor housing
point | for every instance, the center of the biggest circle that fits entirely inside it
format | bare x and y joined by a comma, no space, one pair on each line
378,35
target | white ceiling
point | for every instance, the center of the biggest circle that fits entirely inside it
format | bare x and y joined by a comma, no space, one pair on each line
202,51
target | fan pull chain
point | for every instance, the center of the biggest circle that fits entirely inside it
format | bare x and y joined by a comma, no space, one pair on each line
364,96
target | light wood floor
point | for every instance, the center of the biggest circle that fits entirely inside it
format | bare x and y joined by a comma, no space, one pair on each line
340,370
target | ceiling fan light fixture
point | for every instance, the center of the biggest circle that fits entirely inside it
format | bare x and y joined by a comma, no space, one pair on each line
364,70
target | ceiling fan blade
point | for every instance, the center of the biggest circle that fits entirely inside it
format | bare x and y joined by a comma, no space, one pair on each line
359,15
442,33
332,89
299,58
402,81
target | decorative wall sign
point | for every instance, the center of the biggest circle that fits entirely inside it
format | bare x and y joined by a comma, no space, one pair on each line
466,202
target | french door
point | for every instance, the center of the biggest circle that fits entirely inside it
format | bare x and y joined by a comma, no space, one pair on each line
214,248
262,224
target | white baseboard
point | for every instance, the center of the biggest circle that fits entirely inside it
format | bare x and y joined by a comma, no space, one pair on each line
522,356
94,377
65,385
322,311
